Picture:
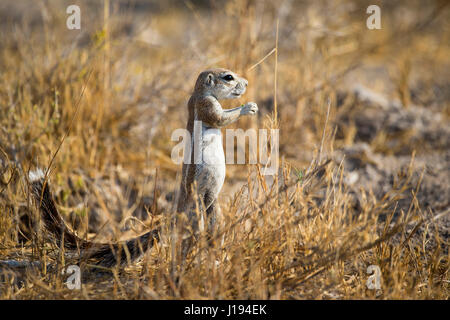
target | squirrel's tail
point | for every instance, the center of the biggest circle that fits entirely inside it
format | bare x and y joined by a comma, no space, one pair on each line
106,254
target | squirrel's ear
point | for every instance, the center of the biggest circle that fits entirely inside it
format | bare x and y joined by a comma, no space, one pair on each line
210,80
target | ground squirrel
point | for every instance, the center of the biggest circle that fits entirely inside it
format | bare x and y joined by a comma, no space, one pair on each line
208,172
208,175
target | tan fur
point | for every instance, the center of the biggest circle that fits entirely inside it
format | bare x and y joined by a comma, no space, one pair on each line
204,106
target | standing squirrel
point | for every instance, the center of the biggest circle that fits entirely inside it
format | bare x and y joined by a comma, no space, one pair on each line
205,177
208,172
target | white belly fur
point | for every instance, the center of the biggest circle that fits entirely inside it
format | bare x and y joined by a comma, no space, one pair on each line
210,174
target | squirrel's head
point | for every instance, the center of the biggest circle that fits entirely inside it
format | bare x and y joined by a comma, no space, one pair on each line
220,83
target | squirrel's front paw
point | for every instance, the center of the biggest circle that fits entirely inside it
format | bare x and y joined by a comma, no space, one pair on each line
250,108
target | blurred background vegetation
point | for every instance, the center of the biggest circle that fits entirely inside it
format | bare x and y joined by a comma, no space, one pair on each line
119,86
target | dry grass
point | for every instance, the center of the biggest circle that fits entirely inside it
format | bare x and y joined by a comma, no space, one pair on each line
381,198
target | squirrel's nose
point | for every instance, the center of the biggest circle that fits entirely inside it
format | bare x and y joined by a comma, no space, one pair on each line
245,82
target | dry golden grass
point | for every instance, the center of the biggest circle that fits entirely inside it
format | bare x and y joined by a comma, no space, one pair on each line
119,89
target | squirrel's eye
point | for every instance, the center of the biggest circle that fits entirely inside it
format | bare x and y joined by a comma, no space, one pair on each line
228,77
